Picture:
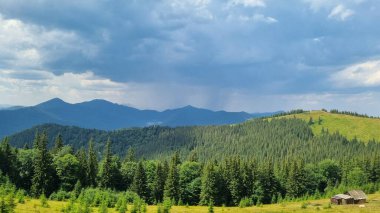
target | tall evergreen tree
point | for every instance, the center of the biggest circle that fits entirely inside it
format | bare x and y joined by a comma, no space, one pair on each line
267,185
105,171
43,172
82,158
235,182
58,144
172,181
8,160
159,183
209,192
139,184
296,186
131,155
92,165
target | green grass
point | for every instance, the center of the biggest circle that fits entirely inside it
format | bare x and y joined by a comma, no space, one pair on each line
364,129
373,205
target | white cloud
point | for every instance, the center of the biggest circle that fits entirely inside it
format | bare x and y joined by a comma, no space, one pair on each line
33,86
317,5
248,3
366,74
340,12
28,45
253,18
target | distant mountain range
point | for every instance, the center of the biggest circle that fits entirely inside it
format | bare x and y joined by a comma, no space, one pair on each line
104,115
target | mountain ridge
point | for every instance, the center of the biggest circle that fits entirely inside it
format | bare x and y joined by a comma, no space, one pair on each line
105,115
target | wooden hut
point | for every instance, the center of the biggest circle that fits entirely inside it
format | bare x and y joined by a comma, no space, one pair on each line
342,199
359,196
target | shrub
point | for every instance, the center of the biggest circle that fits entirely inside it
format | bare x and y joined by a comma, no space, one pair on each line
103,207
328,206
44,202
304,205
139,206
167,205
245,202
20,196
60,195
211,207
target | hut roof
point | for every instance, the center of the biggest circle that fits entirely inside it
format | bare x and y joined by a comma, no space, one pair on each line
342,196
357,194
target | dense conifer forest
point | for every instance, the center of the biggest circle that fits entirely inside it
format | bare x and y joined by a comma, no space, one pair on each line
253,163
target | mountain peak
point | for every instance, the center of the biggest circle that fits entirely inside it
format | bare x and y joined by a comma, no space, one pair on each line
52,102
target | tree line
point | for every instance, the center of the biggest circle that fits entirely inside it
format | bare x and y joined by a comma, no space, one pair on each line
220,179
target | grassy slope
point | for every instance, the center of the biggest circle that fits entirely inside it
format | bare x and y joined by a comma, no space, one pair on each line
373,205
364,129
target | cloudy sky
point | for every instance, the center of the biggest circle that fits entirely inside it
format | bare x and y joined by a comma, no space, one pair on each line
251,55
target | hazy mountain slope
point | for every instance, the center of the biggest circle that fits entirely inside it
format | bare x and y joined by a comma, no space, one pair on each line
105,115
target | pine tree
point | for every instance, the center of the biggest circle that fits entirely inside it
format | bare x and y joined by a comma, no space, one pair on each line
105,175
176,158
296,180
172,181
209,188
159,183
81,156
92,165
8,160
139,184
193,157
58,144
43,172
235,182
131,156
267,184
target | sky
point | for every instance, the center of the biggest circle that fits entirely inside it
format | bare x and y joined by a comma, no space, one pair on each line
234,55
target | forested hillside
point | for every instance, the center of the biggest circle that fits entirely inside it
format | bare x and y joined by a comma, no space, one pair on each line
349,124
255,162
276,140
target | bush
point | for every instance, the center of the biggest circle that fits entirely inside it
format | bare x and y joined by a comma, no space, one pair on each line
121,204
167,205
328,206
103,207
60,195
20,196
211,207
44,202
139,206
304,205
245,202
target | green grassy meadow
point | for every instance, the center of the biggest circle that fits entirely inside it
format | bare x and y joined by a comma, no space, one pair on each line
373,205
364,129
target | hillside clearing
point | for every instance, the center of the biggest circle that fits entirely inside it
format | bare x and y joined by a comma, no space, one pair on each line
362,128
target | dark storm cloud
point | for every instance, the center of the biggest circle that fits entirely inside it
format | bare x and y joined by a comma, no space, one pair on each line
259,46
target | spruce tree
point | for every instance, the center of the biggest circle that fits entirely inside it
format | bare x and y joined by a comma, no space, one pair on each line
209,188
43,172
131,156
235,182
296,180
8,160
159,183
172,181
81,156
92,165
58,144
139,184
105,175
